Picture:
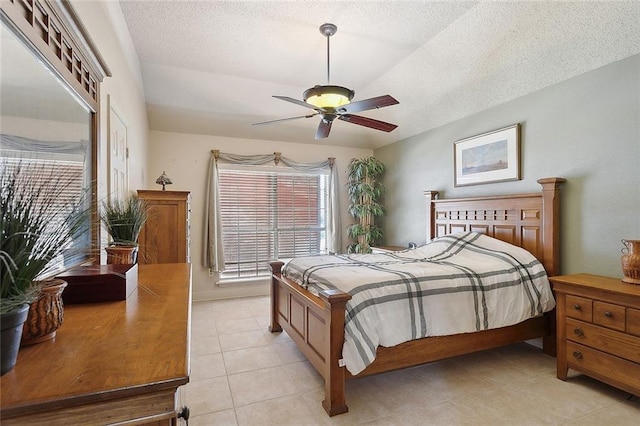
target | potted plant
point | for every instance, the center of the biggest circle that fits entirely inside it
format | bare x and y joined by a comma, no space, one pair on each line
124,219
41,219
365,189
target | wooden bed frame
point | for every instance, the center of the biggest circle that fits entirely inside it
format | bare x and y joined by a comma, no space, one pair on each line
316,324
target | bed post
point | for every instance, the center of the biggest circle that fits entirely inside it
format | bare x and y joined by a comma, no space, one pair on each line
551,245
334,375
551,224
431,228
276,269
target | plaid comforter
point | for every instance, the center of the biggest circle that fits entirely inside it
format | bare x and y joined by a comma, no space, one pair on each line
455,284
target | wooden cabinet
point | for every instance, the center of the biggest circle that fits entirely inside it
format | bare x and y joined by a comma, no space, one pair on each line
598,328
165,237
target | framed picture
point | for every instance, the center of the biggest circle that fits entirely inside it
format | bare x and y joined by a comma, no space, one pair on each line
489,157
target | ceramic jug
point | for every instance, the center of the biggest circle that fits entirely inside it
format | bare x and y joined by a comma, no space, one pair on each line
631,261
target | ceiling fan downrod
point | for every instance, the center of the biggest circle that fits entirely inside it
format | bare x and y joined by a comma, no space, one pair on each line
328,30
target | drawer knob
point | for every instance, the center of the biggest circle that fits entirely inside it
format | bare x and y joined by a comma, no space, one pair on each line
608,314
577,354
578,332
576,307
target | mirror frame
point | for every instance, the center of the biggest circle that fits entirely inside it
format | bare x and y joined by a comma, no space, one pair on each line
53,32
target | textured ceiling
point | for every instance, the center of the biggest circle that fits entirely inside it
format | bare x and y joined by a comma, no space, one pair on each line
211,67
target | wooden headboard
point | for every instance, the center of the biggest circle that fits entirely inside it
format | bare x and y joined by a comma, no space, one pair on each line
530,221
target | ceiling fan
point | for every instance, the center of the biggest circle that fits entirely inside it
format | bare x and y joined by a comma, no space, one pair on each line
331,102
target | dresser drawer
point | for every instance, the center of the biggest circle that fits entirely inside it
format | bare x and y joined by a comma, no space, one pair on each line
579,307
608,368
609,315
603,339
633,321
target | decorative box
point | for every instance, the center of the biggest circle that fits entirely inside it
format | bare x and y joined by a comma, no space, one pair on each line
99,283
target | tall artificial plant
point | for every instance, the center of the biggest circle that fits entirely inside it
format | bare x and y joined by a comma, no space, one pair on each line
365,189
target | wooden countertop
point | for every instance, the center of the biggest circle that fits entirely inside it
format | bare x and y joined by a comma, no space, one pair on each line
597,282
108,350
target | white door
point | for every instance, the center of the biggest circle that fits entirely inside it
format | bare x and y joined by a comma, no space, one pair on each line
117,160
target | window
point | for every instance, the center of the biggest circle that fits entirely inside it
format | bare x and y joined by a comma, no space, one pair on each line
59,185
269,214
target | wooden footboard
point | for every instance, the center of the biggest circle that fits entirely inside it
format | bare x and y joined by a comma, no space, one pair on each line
316,325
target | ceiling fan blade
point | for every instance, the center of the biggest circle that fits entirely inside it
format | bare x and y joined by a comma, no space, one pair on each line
286,119
323,129
365,104
367,122
297,102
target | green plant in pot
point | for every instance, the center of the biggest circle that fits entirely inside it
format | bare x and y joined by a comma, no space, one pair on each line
42,220
124,219
365,189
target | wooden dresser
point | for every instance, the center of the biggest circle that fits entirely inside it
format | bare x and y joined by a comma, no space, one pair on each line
598,329
165,237
110,363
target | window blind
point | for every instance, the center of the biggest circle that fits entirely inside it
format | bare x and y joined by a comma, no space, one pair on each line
268,215
59,185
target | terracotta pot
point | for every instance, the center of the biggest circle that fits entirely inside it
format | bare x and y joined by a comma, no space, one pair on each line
45,314
631,261
10,334
121,255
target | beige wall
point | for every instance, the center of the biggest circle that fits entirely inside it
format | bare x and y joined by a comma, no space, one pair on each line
123,90
45,129
185,158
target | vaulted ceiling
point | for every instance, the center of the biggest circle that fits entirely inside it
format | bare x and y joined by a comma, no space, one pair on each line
211,67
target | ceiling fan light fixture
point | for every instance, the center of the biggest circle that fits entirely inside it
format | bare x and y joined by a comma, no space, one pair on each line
331,102
328,96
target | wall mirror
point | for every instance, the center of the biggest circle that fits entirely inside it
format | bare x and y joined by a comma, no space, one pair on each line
45,127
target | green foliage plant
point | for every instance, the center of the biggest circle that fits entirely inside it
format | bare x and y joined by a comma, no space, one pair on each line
365,190
41,217
124,219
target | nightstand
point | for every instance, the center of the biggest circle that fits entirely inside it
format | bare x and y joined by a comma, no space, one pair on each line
598,329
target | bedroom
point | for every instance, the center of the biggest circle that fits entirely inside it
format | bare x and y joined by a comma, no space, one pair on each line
583,127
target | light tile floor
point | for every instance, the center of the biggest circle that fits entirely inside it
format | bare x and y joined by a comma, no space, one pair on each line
241,374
